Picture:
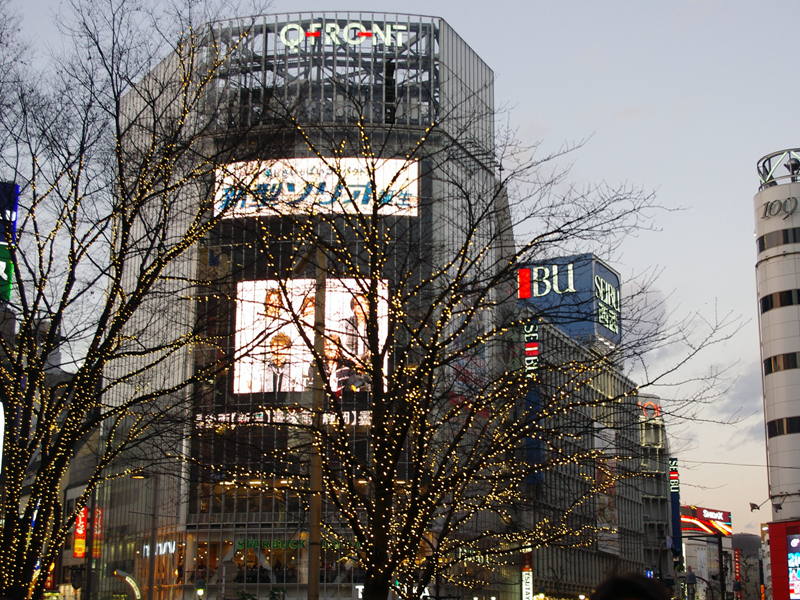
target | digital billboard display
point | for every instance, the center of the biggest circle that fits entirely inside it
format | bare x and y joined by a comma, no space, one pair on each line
314,185
276,356
793,562
705,521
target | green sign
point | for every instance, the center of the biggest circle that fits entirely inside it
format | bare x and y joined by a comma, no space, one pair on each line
6,273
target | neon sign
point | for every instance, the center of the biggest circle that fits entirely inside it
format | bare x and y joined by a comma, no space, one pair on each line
332,34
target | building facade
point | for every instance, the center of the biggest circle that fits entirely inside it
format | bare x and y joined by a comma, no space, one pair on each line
234,517
777,270
591,411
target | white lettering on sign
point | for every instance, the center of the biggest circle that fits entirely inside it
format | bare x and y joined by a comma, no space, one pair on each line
777,207
712,514
353,34
531,340
608,310
527,585
161,549
544,280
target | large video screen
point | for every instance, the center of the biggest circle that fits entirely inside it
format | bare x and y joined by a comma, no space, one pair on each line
314,185
705,521
793,562
271,320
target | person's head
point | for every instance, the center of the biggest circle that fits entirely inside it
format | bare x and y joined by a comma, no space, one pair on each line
307,310
632,586
273,303
333,347
360,307
280,345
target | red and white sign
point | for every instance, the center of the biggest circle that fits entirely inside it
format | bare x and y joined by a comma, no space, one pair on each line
79,547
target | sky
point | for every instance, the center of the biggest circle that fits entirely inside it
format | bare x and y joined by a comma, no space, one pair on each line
678,98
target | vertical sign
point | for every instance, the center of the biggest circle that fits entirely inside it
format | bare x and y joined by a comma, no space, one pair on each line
79,547
9,202
97,534
530,365
527,575
675,501
737,568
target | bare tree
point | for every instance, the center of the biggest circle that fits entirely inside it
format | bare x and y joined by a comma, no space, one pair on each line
111,145
431,449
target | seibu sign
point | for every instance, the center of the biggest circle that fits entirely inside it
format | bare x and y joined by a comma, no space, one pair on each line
354,33
580,294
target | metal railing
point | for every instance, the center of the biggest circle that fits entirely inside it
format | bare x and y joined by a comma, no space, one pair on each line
770,172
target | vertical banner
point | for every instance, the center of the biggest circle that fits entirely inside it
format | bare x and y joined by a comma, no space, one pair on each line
675,502
79,547
97,534
527,574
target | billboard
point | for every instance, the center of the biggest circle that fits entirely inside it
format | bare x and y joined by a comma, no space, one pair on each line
784,559
316,185
579,294
793,563
272,320
696,520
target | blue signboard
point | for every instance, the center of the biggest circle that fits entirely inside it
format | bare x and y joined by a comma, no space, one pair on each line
579,294
9,202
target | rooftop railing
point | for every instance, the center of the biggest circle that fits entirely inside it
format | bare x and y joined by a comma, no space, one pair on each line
779,168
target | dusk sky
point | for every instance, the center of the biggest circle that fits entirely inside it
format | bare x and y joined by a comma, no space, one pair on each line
679,98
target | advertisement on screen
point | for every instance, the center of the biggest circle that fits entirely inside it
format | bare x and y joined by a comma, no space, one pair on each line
278,358
793,560
316,185
705,521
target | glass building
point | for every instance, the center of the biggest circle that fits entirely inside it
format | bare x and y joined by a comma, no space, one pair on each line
234,517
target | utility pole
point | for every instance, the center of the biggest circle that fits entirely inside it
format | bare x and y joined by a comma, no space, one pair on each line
721,567
91,516
151,563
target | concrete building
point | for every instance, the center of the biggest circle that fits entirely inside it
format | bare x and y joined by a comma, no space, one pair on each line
596,409
655,486
777,232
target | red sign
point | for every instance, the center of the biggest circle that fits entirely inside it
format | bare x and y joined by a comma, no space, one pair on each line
79,547
737,569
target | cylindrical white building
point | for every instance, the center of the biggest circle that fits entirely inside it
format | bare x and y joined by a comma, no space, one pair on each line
777,231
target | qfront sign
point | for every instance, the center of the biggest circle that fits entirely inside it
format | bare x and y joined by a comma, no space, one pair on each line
579,294
310,33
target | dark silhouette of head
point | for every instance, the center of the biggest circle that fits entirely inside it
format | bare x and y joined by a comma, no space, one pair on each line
632,586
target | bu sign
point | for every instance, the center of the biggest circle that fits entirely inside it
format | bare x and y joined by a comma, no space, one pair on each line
579,294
